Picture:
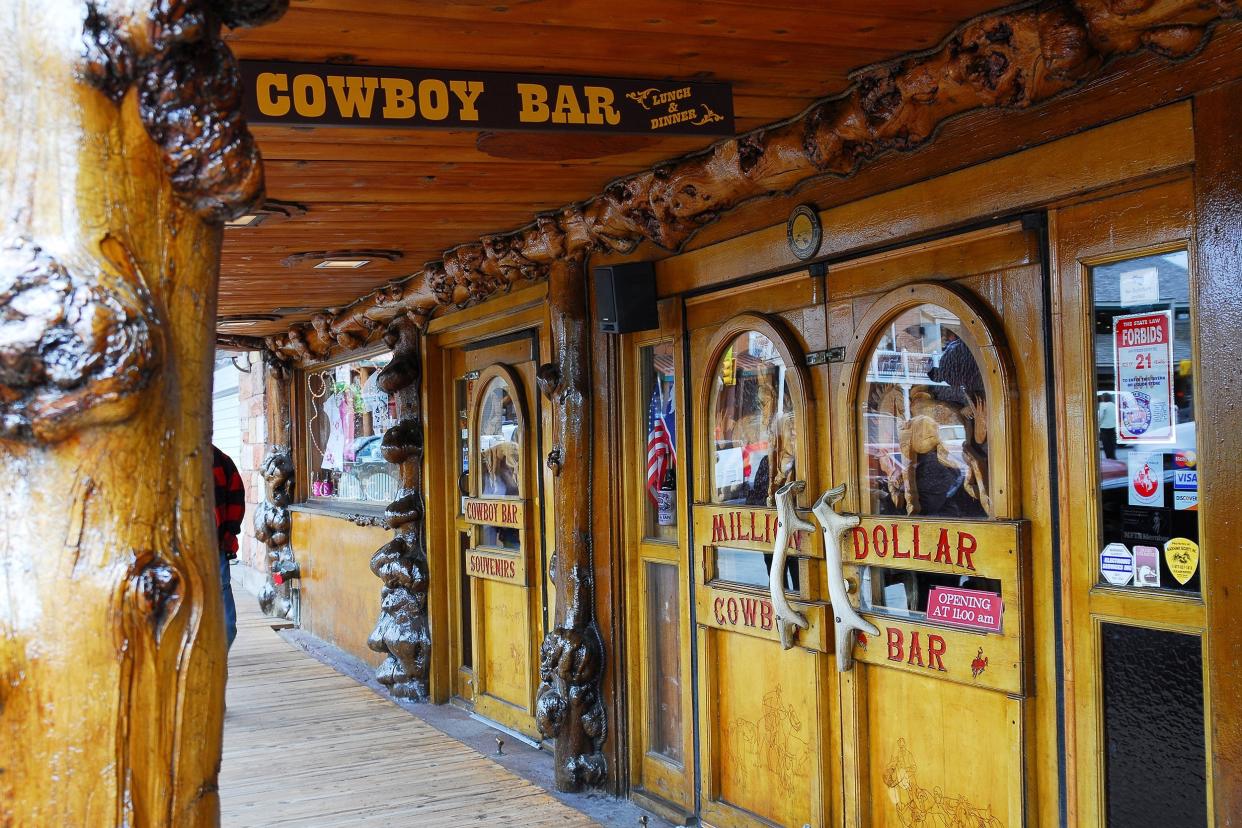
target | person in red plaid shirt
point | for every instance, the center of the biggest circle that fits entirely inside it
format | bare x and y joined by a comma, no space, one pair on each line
230,508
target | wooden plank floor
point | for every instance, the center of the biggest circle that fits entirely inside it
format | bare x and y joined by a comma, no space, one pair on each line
305,745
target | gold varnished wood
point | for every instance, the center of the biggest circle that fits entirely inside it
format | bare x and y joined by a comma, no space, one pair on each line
663,783
1153,220
122,154
884,736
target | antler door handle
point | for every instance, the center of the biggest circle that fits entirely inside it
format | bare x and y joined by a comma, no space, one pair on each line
846,618
787,521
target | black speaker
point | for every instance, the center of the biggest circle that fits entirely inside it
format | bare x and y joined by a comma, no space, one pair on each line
625,297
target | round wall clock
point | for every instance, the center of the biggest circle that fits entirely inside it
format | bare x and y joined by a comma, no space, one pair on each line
804,231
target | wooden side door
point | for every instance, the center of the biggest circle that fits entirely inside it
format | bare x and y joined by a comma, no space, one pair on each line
765,707
1136,622
938,413
499,601
662,761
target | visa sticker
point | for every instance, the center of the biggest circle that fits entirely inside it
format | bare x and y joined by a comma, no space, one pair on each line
1185,480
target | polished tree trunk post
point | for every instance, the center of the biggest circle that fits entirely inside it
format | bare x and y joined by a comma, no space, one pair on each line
121,151
272,521
401,631
569,708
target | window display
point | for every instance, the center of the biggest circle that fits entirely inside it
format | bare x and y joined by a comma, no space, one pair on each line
348,414
754,431
924,414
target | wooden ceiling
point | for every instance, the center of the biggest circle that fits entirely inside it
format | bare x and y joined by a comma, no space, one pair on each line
422,191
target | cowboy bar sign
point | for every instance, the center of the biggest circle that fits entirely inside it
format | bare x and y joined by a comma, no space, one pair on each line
322,94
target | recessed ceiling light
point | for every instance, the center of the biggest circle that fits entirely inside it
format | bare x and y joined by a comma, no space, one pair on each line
342,264
248,220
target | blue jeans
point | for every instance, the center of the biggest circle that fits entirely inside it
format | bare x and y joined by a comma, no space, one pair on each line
230,607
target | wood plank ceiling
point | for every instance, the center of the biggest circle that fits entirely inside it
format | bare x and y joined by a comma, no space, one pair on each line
423,191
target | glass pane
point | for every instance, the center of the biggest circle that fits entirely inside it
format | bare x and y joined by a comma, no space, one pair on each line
1145,413
461,401
464,623
750,568
924,413
663,661
1155,750
659,450
500,456
754,429
348,415
905,593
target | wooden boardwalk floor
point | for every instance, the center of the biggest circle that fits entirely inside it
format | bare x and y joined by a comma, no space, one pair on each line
307,746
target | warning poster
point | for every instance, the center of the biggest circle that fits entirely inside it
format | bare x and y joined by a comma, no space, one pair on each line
1143,343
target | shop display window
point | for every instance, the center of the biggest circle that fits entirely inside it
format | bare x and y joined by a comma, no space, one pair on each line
1146,450
754,428
347,414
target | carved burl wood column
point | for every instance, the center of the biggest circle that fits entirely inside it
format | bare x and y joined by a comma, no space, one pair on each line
122,150
569,707
272,520
401,631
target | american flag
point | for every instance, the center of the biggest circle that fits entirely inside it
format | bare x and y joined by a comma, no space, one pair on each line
661,454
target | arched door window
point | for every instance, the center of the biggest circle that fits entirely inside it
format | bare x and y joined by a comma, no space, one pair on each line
754,428
924,413
497,436
933,410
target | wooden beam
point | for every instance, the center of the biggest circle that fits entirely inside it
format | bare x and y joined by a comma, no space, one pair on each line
124,151
569,707
1008,59
1218,308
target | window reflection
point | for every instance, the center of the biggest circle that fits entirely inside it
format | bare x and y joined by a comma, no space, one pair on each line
348,415
924,410
500,456
754,428
1145,416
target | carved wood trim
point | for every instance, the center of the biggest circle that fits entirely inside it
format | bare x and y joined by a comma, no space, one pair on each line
1011,58
402,632
273,522
569,707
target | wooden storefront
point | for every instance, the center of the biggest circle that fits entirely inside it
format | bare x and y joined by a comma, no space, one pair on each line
909,501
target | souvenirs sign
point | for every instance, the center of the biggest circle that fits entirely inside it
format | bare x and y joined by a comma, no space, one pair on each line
495,566
1143,345
321,94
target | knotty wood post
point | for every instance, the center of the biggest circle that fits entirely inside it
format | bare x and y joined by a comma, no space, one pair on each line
273,522
569,707
402,631
123,151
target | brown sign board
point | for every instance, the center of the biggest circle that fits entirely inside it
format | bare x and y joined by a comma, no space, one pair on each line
326,94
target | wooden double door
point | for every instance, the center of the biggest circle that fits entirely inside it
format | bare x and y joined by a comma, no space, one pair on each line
794,667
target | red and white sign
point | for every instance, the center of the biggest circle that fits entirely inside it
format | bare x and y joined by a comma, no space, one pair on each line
966,608
1143,350
1146,470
